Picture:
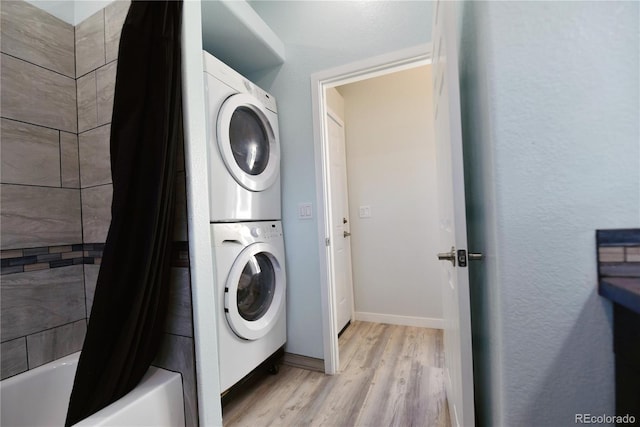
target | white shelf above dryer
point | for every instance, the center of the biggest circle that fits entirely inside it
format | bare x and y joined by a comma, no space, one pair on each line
235,34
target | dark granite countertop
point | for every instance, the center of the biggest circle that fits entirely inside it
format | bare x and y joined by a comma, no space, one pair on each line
622,290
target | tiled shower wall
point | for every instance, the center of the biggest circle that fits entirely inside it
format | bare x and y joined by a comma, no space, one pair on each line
43,307
57,97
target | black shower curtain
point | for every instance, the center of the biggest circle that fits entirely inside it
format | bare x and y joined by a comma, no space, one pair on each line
130,301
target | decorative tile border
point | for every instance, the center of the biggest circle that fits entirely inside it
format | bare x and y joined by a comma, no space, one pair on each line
618,252
618,237
42,258
30,259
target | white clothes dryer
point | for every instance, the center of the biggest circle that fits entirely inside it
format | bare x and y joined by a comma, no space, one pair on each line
243,146
250,295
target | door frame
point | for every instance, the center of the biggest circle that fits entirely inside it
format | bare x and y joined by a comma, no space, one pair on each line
349,73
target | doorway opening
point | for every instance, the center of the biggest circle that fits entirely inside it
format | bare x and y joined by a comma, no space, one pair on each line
334,227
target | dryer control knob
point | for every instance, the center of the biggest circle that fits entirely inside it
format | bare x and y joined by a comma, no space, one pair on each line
256,231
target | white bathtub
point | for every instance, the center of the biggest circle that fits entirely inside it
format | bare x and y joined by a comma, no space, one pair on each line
40,397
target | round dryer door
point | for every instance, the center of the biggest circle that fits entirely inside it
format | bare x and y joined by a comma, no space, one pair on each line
255,291
247,142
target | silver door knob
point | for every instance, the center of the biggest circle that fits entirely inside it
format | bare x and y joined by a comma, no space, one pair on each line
346,234
448,256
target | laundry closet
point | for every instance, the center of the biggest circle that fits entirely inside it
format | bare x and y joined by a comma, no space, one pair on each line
247,243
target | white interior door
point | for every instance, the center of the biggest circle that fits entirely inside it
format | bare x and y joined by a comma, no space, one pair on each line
452,221
339,222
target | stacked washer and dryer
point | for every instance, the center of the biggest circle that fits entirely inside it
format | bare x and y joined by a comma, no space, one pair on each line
246,228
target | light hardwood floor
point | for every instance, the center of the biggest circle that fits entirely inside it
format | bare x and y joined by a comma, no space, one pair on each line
390,376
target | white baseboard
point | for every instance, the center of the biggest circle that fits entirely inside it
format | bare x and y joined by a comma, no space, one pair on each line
392,319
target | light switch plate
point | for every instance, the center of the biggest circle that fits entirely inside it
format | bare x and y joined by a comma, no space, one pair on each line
365,211
305,211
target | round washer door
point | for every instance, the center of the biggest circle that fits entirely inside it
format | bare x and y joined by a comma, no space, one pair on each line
247,143
255,291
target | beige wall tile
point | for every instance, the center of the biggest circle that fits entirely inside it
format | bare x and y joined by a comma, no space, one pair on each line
34,267
95,159
633,254
96,213
611,254
30,154
34,95
106,83
60,249
35,301
39,216
72,255
32,34
87,102
69,160
90,44
55,343
114,16
16,253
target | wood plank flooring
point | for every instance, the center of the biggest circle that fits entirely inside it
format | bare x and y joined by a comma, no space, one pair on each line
390,376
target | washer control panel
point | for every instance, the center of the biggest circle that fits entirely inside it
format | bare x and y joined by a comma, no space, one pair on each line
262,231
267,230
246,232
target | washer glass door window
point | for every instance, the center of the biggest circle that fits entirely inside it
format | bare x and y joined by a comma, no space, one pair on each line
256,287
247,142
255,291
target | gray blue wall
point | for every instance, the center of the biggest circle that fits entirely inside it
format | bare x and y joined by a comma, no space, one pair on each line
318,36
550,95
550,107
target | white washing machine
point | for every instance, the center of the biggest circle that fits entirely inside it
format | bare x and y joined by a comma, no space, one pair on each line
244,146
250,295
